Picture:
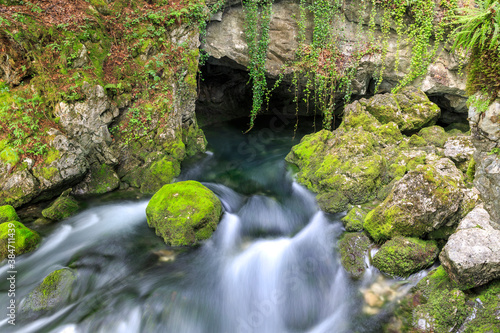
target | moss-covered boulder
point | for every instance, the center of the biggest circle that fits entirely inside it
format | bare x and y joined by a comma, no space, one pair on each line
52,293
425,199
24,239
434,135
349,164
403,256
353,221
410,109
8,213
353,251
486,310
433,305
62,208
184,213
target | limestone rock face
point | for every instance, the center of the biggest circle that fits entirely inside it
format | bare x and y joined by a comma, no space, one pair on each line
424,200
226,43
472,254
460,150
184,213
485,130
88,120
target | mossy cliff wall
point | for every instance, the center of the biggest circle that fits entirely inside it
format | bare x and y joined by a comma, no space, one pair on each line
96,95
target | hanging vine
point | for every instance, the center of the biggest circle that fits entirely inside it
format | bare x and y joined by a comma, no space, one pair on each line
257,22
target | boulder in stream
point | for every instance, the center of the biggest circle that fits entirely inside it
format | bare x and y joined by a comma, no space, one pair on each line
8,213
353,250
425,199
184,213
26,239
54,290
62,208
403,256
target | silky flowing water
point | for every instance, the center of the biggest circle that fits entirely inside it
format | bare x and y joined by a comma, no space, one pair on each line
271,266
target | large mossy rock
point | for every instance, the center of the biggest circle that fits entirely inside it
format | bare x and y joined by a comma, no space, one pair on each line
26,239
425,199
472,254
433,305
54,290
8,213
62,208
410,109
347,165
436,305
184,213
353,251
403,256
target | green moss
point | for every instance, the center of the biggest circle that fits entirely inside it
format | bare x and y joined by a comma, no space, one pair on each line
54,290
471,170
62,208
353,221
25,240
103,180
486,318
9,156
333,202
8,213
160,172
52,155
404,256
417,141
434,135
353,250
184,213
46,173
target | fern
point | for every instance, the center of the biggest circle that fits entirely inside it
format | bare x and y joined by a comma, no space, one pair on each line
477,27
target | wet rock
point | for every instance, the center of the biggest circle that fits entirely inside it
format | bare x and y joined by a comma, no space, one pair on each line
353,251
472,254
62,208
403,256
410,109
8,213
26,240
434,305
51,294
425,199
184,213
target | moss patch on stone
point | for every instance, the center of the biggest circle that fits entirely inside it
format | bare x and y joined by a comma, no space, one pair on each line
404,256
184,213
103,180
8,213
25,239
62,208
434,135
54,290
353,221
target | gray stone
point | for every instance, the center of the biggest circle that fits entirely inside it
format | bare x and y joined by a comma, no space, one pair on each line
471,256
